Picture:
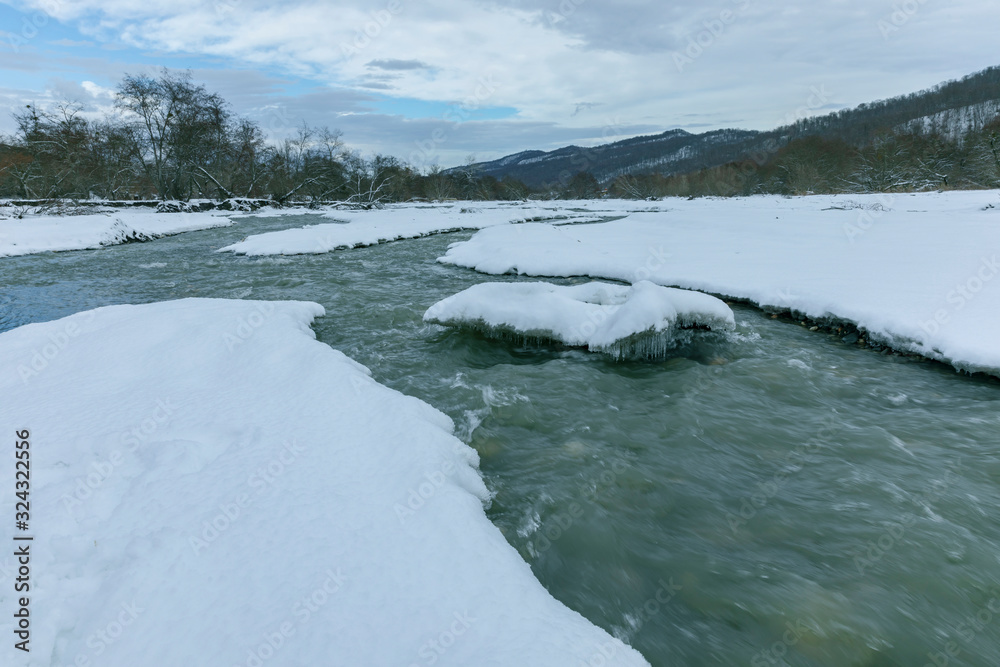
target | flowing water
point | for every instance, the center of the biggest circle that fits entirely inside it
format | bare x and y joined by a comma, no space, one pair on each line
773,497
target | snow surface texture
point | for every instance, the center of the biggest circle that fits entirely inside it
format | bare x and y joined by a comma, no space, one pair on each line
48,233
642,321
213,486
918,272
365,228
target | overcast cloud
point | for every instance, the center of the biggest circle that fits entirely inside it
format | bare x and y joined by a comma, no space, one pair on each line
499,76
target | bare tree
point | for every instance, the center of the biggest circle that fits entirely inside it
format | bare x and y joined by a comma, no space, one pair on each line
369,181
881,169
59,145
172,123
438,185
634,187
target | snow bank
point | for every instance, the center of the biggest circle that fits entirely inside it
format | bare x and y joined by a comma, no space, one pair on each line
918,272
212,486
365,228
641,321
49,233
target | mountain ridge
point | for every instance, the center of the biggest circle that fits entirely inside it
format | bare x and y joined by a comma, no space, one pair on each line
951,108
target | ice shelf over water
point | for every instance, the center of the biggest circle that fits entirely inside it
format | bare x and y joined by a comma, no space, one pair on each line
641,321
210,485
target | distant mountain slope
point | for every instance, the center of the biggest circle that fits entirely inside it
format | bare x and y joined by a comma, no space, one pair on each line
950,109
673,151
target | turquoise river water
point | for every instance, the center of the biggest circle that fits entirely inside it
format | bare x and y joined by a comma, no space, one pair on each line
774,497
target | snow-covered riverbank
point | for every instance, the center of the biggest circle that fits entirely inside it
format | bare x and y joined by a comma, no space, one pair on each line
81,229
36,233
364,228
212,486
917,272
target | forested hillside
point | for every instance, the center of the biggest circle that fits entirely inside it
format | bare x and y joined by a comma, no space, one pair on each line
942,137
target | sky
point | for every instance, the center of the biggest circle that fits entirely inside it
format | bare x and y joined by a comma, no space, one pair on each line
440,82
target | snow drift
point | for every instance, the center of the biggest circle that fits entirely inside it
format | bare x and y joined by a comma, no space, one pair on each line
212,486
641,321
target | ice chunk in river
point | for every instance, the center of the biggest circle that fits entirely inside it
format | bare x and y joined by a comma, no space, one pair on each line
641,321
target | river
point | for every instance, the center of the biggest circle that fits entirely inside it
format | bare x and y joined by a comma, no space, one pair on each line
770,497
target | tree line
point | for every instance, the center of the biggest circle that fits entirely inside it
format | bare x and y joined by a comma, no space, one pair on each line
171,139
900,161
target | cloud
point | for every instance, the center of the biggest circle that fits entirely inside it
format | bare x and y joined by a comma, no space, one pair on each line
72,43
635,63
626,26
584,106
85,93
394,65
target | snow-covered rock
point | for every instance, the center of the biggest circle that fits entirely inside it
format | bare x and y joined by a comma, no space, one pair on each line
239,204
641,321
211,486
174,206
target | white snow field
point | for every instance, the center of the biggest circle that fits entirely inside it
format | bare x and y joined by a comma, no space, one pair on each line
365,228
641,321
210,485
50,233
918,272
